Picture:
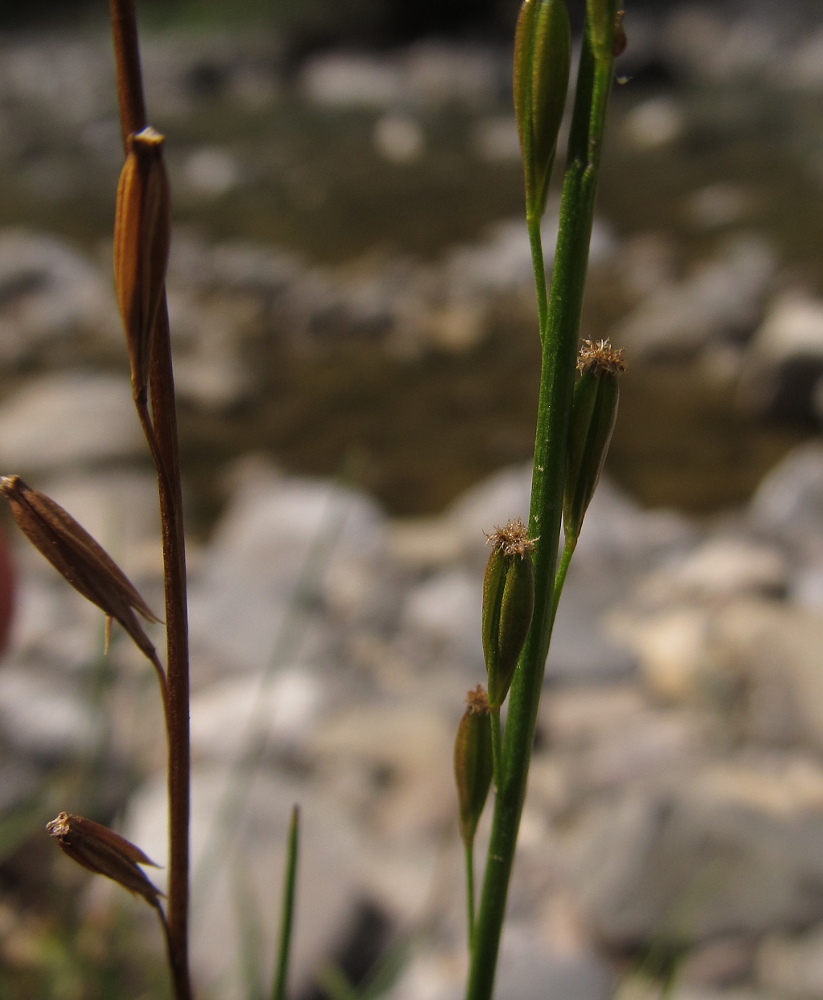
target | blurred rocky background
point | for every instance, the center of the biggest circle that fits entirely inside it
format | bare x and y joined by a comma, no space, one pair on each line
354,326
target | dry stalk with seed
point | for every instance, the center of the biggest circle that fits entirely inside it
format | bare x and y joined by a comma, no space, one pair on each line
524,578
141,249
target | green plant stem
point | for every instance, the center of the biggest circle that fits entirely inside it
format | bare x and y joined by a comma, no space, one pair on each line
562,573
290,885
468,853
163,440
539,266
497,745
559,352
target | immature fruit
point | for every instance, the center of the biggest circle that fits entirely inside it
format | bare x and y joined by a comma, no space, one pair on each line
594,410
473,762
542,58
508,606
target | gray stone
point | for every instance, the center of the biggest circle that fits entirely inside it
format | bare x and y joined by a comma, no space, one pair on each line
257,716
285,550
49,291
490,504
348,80
713,45
608,739
389,764
775,653
720,300
239,829
529,969
441,619
43,717
655,122
781,376
792,965
789,501
585,649
733,849
68,419
672,649
619,536
719,569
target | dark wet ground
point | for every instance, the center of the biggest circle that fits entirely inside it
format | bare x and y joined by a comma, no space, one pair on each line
416,433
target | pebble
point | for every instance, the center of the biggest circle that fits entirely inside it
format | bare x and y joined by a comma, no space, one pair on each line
720,299
783,371
68,419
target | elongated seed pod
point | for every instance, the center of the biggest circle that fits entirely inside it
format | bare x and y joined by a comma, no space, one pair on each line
594,410
100,850
141,247
79,559
473,762
508,606
542,59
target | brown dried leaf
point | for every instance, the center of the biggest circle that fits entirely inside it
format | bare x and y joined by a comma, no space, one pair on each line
104,852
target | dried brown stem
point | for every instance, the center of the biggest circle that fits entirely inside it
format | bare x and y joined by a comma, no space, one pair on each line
161,432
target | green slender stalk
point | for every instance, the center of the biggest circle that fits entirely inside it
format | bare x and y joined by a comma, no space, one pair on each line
497,745
539,266
284,948
468,854
562,572
559,352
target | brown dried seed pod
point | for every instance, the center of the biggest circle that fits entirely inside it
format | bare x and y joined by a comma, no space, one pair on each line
142,234
100,850
78,558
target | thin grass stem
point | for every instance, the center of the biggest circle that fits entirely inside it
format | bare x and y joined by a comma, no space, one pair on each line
468,854
562,573
497,745
281,976
559,353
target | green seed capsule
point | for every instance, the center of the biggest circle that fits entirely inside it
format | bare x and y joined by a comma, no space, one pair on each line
542,59
508,606
473,762
594,409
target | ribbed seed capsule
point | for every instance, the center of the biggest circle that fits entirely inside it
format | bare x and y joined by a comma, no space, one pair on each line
141,246
594,410
104,852
542,59
473,762
79,559
508,606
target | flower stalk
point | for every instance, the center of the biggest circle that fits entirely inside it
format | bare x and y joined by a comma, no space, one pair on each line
473,766
160,427
559,321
